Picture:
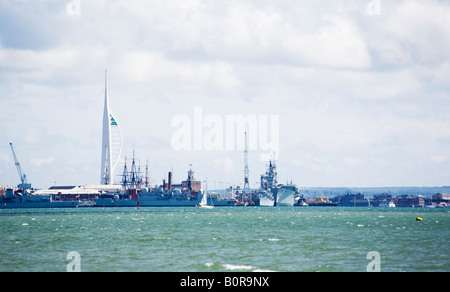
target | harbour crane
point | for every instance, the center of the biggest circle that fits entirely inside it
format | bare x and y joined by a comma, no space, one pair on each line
23,177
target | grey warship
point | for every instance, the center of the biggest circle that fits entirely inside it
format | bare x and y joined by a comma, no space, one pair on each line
270,193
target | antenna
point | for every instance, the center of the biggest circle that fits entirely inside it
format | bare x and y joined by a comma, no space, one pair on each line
146,174
246,191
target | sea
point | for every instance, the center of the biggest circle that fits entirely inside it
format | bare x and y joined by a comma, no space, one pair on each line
225,239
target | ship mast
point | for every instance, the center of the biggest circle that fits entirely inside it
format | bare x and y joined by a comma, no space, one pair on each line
132,179
134,174
125,181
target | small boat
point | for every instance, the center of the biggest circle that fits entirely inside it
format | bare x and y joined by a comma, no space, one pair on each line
321,202
204,202
387,204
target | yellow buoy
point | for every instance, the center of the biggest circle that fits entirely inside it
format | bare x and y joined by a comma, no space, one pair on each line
419,219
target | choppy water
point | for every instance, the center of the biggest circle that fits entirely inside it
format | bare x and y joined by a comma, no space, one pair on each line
225,239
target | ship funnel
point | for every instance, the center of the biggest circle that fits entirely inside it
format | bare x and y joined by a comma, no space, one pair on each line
170,180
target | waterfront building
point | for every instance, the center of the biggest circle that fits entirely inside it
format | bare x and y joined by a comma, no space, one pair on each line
352,200
440,197
410,201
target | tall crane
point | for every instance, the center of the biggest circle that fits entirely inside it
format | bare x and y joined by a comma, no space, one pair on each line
23,177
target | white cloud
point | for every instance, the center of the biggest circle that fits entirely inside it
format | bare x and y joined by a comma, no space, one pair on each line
30,60
338,44
38,162
438,158
225,164
416,32
4,157
144,66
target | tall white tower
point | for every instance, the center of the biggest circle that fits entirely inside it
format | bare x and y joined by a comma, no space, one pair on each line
111,142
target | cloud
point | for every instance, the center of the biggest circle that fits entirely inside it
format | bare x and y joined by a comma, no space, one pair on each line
225,164
52,59
4,157
414,33
338,44
141,66
246,31
438,158
38,162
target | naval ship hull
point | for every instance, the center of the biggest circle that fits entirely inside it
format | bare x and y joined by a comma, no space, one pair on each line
156,203
17,205
284,196
280,196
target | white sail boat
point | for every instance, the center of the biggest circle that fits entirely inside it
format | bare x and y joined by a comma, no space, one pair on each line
204,201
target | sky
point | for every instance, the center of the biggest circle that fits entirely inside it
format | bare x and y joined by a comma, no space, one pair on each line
360,89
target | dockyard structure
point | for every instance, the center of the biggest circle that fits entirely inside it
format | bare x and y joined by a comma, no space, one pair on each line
69,193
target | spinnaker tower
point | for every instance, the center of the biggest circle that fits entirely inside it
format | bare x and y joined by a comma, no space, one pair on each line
111,142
